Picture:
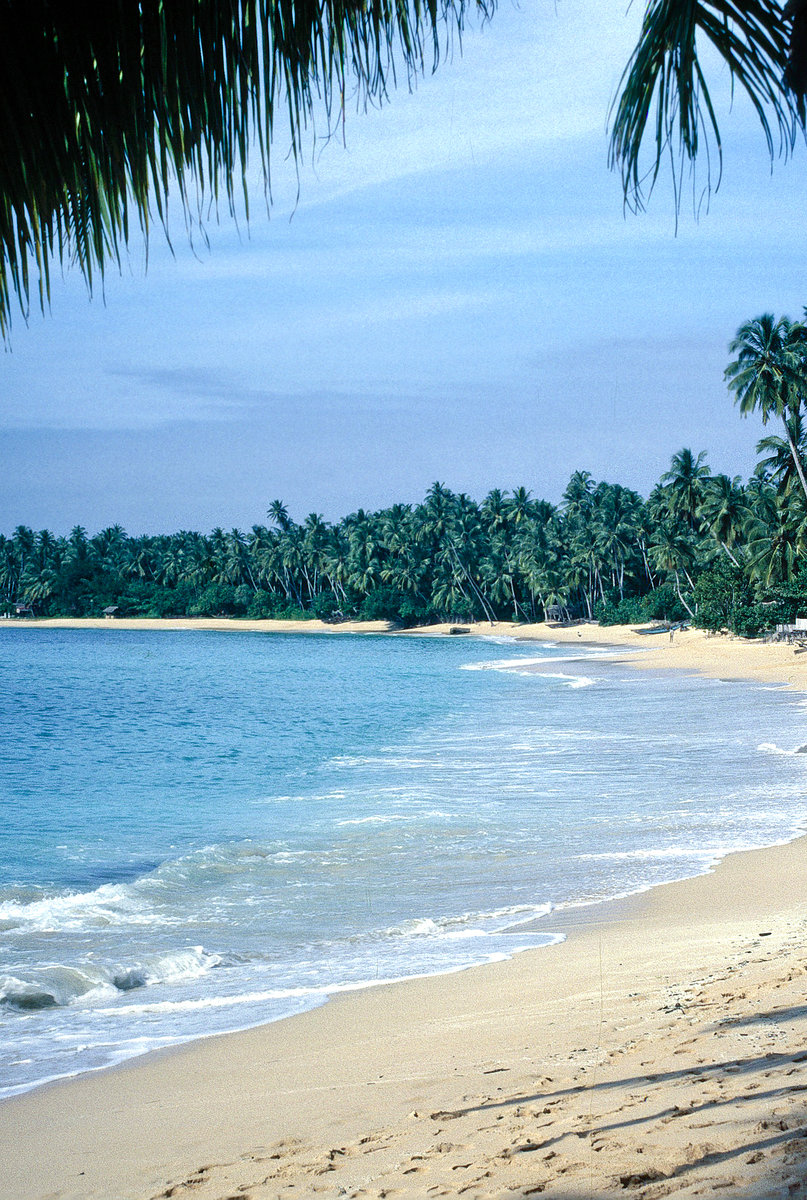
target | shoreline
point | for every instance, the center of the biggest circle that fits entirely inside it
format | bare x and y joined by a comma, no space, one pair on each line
715,655
403,1041
670,1015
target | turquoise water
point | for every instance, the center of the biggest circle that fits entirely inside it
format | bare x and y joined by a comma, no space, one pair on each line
205,831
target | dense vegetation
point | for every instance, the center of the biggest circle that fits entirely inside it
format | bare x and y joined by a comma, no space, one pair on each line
701,547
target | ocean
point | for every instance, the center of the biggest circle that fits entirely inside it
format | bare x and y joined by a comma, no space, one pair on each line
206,831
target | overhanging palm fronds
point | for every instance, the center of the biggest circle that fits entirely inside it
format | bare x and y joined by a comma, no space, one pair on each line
664,86
109,104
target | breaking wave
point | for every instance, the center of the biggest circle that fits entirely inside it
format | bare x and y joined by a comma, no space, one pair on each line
59,986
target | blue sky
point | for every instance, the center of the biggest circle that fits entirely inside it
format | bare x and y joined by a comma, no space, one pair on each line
456,295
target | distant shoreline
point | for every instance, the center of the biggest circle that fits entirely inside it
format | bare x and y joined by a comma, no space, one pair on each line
715,655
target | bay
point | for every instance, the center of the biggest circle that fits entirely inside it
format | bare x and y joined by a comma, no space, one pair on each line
204,831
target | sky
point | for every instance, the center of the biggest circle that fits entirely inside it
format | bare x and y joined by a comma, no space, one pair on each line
456,293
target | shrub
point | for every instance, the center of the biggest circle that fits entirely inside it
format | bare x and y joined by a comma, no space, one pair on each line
663,604
628,611
725,600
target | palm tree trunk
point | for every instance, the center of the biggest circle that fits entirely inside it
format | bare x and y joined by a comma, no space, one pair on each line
680,596
723,546
488,611
796,457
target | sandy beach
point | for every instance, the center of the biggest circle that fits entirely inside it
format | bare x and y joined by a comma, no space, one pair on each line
659,1050
688,650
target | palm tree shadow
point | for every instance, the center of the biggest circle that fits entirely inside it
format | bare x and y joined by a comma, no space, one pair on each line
645,1179
796,1012
703,1071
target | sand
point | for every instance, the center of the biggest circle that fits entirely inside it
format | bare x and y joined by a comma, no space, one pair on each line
716,655
661,1050
211,624
692,649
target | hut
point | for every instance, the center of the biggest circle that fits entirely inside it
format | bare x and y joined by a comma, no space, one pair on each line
111,611
23,610
557,613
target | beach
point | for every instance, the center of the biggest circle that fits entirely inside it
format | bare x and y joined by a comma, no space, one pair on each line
658,1050
716,655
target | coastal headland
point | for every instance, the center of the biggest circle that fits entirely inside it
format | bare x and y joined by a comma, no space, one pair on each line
658,1051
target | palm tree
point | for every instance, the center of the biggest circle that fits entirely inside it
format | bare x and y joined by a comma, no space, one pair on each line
278,514
672,553
775,541
779,465
723,510
769,374
685,482
108,109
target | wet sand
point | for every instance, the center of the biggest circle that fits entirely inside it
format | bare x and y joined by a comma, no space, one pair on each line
660,1050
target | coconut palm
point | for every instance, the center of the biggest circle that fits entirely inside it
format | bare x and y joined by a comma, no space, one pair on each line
774,539
685,483
769,374
778,464
723,510
673,553
106,109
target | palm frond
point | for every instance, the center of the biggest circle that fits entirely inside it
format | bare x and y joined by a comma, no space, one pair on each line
108,106
664,90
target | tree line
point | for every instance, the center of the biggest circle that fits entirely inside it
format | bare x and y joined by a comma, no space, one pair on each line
603,553
704,547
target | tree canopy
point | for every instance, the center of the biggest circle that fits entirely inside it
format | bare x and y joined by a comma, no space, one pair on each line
109,108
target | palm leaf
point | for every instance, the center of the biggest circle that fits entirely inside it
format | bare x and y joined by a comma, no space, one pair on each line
664,88
109,106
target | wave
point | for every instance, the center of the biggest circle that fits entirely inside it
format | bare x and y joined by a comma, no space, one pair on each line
659,852
478,924
59,986
155,899
109,904
377,760
317,994
514,664
772,748
572,681
386,818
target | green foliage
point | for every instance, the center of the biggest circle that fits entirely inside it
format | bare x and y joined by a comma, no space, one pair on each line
622,612
216,600
788,600
700,539
325,607
109,108
725,601
663,604
387,604
664,88
260,605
